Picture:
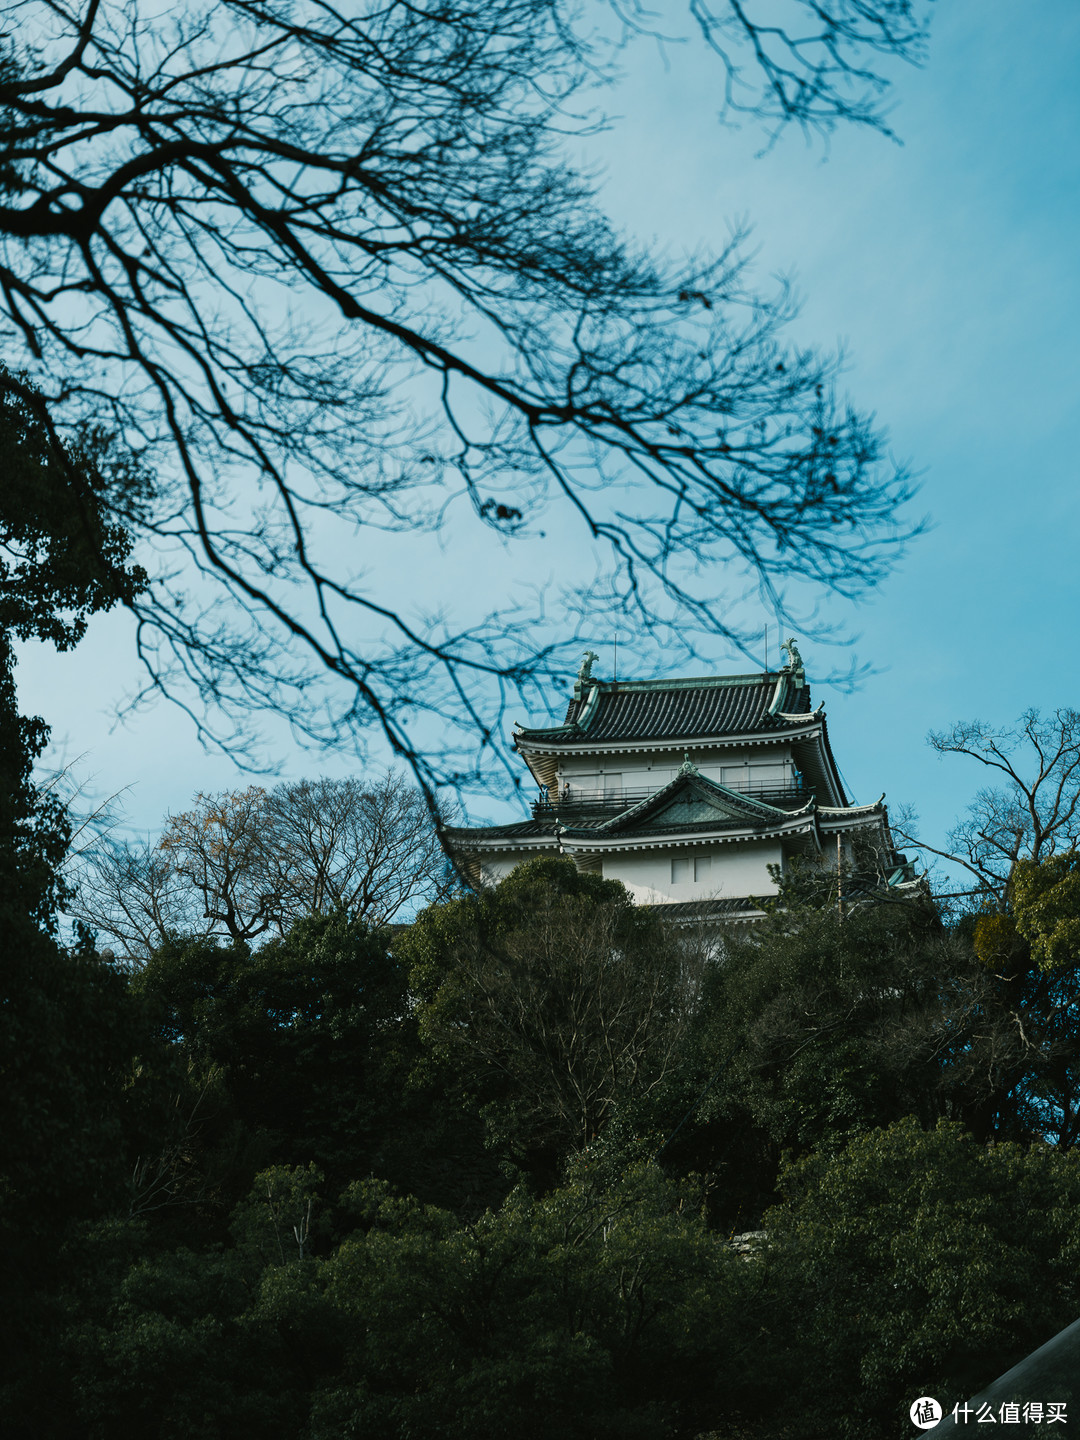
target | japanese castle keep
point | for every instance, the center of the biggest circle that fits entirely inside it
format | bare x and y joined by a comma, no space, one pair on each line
686,791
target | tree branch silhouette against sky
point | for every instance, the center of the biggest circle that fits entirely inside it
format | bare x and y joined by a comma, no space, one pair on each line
332,274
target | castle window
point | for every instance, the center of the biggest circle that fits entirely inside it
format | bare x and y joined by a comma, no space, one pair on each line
702,867
680,870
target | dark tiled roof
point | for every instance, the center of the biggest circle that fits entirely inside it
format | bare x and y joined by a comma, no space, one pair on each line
675,710
692,827
703,909
516,830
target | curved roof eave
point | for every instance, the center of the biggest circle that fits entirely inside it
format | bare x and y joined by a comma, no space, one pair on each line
831,814
671,837
581,741
816,714
477,843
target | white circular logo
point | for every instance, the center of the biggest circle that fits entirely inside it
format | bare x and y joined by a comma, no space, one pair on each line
925,1413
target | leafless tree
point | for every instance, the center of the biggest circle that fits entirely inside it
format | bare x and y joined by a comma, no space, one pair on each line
369,848
328,272
224,848
1032,810
246,862
815,76
133,897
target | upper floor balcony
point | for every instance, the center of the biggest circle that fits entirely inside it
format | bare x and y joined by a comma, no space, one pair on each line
574,802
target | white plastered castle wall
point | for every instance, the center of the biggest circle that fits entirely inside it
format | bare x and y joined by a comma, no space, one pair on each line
495,867
657,877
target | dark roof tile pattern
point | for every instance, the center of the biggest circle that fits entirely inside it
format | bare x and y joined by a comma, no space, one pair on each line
790,824
703,909
516,830
676,712
692,827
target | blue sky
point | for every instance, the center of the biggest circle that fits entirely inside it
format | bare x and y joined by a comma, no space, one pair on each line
948,268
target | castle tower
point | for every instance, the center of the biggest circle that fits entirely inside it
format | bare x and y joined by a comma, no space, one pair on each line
687,791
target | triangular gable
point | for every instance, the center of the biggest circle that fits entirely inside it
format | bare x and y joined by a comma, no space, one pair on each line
691,807
692,799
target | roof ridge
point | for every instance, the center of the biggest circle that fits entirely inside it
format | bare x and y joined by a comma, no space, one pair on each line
689,682
701,708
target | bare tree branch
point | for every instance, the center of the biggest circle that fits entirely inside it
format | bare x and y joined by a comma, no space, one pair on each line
370,849
1035,815
251,861
328,273
132,896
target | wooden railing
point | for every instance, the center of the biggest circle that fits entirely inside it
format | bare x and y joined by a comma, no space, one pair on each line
574,799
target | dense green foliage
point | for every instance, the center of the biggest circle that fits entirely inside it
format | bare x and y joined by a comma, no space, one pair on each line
918,1262
605,1308
78,1108
307,1051
330,1188
60,561
63,554
552,1002
78,1111
1046,904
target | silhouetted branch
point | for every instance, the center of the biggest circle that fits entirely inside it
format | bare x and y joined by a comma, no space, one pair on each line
328,274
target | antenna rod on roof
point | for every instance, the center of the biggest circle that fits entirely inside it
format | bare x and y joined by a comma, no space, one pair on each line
766,649
615,677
